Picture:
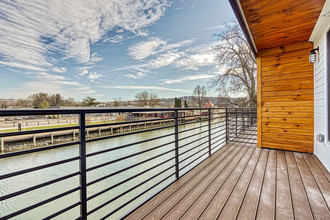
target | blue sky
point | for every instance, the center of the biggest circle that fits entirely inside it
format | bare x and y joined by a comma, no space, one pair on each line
108,48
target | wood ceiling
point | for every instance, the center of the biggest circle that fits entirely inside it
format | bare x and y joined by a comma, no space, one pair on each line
275,23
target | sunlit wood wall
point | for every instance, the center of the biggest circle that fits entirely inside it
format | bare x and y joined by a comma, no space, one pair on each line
286,98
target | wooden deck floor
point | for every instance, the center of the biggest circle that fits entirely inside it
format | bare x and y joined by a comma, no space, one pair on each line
244,182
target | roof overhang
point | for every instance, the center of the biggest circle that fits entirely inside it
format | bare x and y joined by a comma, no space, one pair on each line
322,23
269,24
241,20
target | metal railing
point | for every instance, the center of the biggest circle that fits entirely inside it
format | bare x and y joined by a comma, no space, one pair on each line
108,174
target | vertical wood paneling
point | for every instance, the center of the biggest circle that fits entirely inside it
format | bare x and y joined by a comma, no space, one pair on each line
285,98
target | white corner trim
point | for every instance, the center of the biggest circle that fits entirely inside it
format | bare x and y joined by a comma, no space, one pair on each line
322,21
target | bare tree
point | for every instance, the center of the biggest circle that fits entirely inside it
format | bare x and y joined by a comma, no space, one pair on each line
235,56
146,98
199,95
153,99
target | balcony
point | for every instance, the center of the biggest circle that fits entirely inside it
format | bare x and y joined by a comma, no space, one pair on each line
166,163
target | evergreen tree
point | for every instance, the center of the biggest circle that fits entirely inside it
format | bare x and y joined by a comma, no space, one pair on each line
185,104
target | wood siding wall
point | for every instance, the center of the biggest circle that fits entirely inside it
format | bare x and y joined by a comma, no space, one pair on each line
286,98
321,149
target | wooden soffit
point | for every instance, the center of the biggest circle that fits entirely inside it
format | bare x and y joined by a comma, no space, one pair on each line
275,23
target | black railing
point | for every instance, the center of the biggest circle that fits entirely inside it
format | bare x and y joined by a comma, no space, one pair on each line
108,169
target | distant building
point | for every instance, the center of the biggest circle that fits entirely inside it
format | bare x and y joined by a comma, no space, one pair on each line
209,104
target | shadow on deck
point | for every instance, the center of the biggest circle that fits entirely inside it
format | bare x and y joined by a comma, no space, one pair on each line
241,181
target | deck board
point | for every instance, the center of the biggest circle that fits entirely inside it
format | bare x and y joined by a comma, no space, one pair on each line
241,181
301,207
315,197
250,202
284,208
216,205
267,201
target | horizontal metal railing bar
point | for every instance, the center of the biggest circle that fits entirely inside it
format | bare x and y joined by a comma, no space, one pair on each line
193,122
62,211
128,145
41,203
19,133
194,154
218,122
222,134
5,176
130,133
128,179
185,166
224,129
190,136
126,157
127,191
217,141
246,122
241,112
190,129
38,186
127,168
240,130
134,198
245,138
214,148
22,112
217,127
244,142
34,150
189,116
128,122
191,142
214,118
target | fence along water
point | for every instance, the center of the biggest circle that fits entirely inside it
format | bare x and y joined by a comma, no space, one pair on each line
162,154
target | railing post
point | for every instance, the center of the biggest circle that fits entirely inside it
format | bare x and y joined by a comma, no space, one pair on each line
243,116
83,174
176,127
227,126
236,121
209,132
2,145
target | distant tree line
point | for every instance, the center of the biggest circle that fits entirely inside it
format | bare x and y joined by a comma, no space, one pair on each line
146,98
43,100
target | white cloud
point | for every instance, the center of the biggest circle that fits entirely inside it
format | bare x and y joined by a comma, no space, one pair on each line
59,69
145,49
145,88
136,76
94,76
83,72
164,60
172,55
34,30
154,46
194,61
188,78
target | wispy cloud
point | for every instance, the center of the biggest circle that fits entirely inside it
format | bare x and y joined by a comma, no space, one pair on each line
144,49
136,76
32,31
188,78
145,88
